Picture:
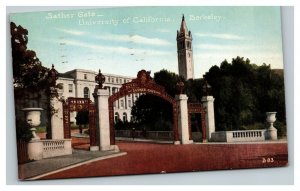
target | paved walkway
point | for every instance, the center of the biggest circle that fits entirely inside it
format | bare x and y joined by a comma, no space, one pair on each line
150,158
40,168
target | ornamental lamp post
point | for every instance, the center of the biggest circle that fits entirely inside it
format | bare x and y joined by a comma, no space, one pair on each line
180,87
100,79
206,88
52,76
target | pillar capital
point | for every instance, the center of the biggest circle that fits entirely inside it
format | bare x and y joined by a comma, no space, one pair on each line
207,98
181,97
101,92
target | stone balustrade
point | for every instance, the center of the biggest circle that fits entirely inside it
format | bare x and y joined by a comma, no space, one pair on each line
40,149
53,144
239,136
53,148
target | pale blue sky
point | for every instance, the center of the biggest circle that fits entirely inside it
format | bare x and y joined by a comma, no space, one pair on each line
120,41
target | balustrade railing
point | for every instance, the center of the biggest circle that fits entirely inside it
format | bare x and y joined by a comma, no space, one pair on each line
52,148
251,133
238,136
53,144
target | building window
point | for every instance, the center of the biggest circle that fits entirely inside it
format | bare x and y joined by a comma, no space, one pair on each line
117,117
85,76
70,88
86,92
182,45
117,80
122,103
108,79
121,81
112,80
124,117
129,103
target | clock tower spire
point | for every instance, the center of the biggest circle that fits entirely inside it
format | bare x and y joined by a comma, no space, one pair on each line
185,51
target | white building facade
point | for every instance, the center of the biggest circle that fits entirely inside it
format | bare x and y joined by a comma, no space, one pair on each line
81,83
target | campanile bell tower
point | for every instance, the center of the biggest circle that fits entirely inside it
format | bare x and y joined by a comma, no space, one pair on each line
185,51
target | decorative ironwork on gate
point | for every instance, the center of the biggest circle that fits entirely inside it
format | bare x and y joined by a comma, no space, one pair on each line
197,108
142,84
79,104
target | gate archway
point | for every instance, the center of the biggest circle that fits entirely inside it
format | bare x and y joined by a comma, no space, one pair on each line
142,84
80,104
197,108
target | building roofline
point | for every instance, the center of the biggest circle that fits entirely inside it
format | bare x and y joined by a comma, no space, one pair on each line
95,73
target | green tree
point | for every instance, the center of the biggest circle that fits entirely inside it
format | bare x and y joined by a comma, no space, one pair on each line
23,131
168,80
82,118
152,112
28,72
244,92
29,75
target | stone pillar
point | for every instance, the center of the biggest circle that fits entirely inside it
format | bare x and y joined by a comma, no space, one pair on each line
183,118
102,121
208,104
57,125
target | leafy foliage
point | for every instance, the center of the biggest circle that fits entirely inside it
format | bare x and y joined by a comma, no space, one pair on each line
152,112
243,93
23,131
168,80
28,71
82,118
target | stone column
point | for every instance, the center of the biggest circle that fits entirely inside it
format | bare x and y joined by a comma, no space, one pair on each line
57,125
208,104
183,117
102,121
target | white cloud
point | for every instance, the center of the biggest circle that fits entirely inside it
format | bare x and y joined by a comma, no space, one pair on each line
244,48
71,32
220,47
117,49
134,39
163,30
224,36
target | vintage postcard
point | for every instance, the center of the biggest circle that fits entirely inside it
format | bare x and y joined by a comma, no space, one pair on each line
140,90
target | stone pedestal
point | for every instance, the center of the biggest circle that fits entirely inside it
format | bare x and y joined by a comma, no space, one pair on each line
271,133
183,118
57,125
176,142
102,121
35,150
94,148
208,104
